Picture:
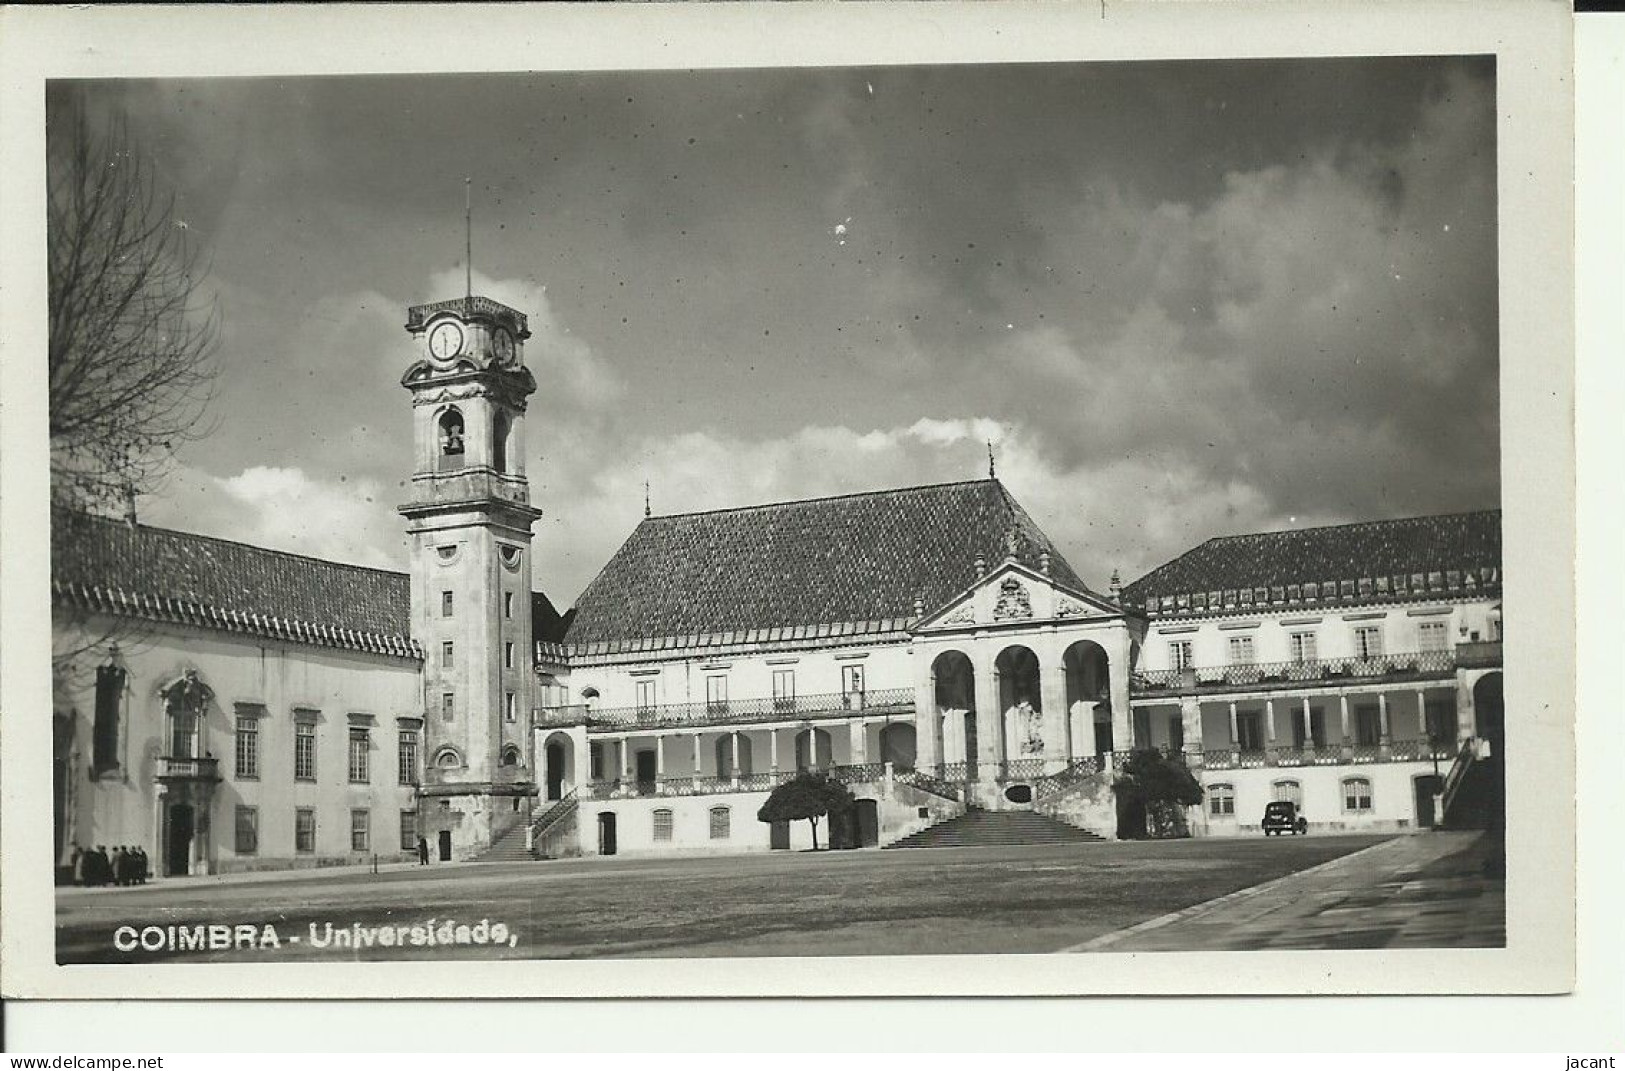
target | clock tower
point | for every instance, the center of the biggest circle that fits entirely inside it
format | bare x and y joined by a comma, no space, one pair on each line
468,522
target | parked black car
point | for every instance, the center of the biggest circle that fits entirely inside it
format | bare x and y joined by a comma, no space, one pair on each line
1282,816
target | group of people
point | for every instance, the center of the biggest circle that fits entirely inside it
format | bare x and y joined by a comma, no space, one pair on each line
126,865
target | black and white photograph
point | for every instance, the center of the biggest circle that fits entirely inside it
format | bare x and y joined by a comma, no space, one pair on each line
907,509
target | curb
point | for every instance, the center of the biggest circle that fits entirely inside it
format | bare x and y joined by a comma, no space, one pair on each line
1105,940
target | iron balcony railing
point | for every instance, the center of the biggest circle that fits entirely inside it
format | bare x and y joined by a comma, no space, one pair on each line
879,702
182,768
711,785
1328,754
1250,675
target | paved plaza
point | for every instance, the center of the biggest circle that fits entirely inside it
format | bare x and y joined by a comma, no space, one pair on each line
978,900
1410,892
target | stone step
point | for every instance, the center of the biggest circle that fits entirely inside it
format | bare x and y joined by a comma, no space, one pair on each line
976,828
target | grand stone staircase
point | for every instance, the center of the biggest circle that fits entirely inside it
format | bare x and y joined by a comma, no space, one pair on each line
508,848
977,828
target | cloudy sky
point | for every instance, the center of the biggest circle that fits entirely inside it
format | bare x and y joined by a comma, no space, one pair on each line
1183,299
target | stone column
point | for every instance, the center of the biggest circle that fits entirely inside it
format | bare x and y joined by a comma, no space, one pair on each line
696,754
660,763
1422,720
733,758
858,741
1052,693
773,750
626,759
1466,716
1384,738
1190,721
1308,724
1118,668
1343,718
927,719
1269,724
1235,737
989,719
812,747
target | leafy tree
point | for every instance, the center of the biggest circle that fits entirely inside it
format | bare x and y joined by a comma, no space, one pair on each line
810,795
131,344
1159,788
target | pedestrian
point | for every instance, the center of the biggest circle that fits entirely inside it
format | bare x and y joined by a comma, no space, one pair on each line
140,865
97,869
76,865
121,866
423,852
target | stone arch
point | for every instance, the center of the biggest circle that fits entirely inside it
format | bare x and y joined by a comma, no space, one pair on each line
1088,697
446,757
558,766
501,428
953,677
1021,702
186,700
510,755
898,745
804,740
1489,711
725,754
452,434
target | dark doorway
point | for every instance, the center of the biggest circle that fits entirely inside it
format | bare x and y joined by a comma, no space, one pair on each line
445,845
606,833
1426,787
555,771
1103,737
842,830
778,836
1489,711
868,812
647,771
178,844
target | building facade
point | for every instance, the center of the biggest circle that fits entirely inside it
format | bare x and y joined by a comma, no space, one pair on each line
229,707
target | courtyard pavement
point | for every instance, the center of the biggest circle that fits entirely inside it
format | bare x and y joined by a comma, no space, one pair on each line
1424,891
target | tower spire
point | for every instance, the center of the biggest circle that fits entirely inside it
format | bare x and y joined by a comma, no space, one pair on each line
646,498
992,467
468,236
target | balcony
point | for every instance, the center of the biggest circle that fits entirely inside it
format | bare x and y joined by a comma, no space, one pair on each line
172,769
880,702
1330,754
765,781
1317,672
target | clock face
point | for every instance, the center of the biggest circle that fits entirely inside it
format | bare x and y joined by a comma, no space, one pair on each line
502,345
445,341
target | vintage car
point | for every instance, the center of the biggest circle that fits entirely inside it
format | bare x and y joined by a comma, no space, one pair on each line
1282,816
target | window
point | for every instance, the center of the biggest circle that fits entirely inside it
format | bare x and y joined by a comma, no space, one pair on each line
248,747
716,694
646,695
595,761
445,604
109,710
510,757
1221,800
1241,650
510,707
784,689
304,830
407,757
1249,730
183,732
360,830
663,824
720,822
447,759
409,831
507,655
1288,791
360,746
1179,654
507,604
1356,794
1176,732
1368,641
304,751
448,706
447,655
1303,646
248,830
852,682
1432,636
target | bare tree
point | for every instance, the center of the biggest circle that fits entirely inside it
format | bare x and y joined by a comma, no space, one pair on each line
132,344
132,335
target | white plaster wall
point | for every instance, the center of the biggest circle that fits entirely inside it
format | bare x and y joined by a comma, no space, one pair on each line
1393,806
121,808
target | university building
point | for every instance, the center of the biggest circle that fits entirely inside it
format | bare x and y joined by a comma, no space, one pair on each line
228,707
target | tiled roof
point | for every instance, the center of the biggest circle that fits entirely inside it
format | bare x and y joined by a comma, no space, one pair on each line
1364,562
863,558
104,565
